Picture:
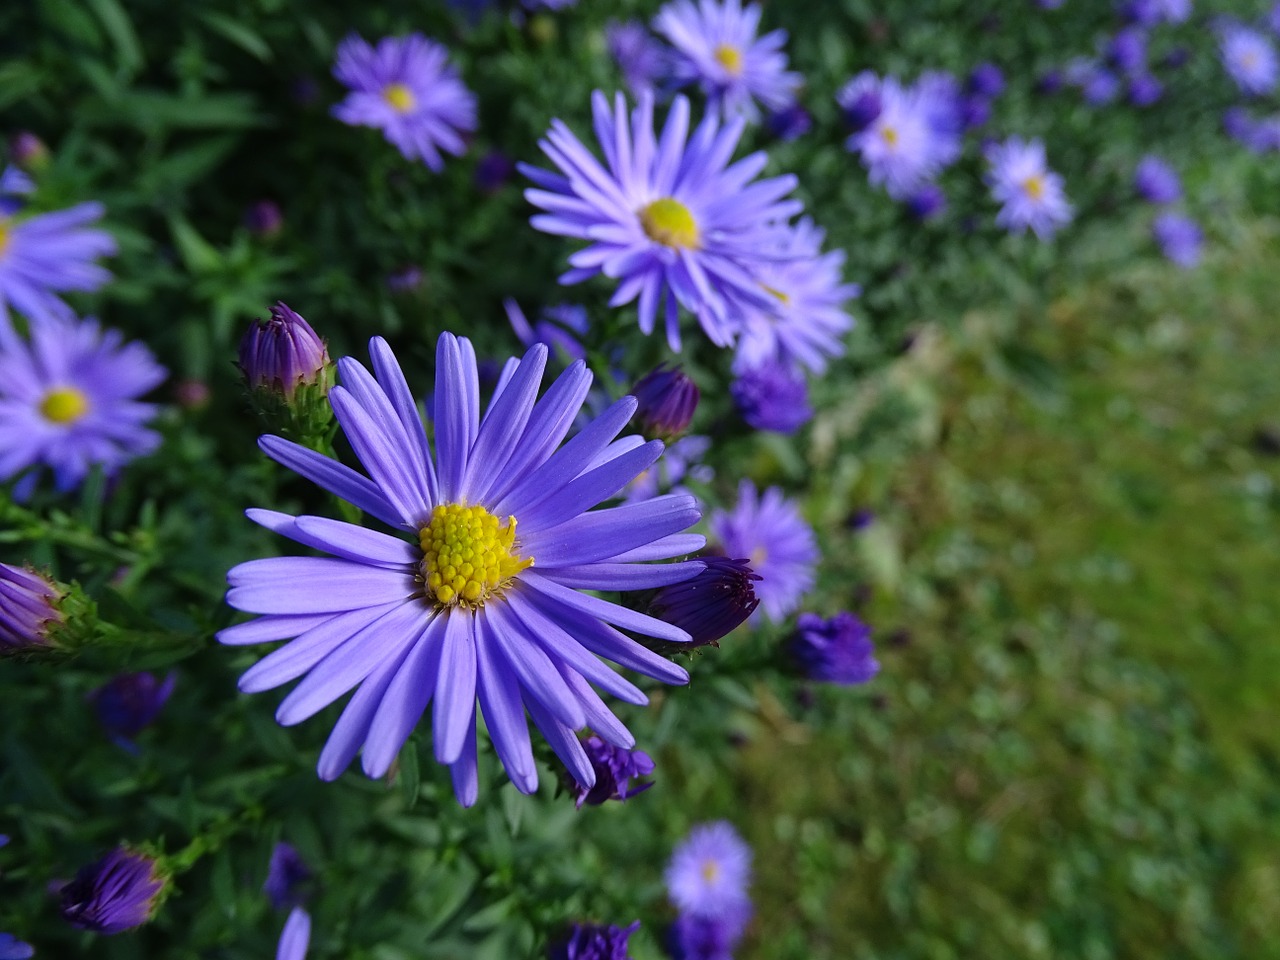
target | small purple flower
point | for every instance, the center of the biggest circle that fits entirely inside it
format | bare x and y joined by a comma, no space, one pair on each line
1127,50
901,148
1030,194
838,650
642,59
11,948
1150,12
712,604
709,871
695,937
1100,87
127,704
773,397
407,88
264,218
28,609
1250,58
287,877
1179,237
667,400
284,353
295,938
776,541
406,280
859,101
986,80
1156,181
715,45
790,123
68,401
561,327
121,891
976,112
1051,81
47,254
28,151
1144,89
927,202
14,185
594,942
493,171
615,768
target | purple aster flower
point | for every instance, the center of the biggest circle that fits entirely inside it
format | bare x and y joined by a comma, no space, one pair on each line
927,202
28,609
1144,89
121,891
287,876
407,88
976,112
640,57
1127,50
127,704
790,123
1050,82
773,396
769,531
671,221
295,938
859,101
615,768
807,318
11,948
47,254
561,327
712,604
1250,58
459,603
1179,237
1156,181
284,353
943,104
1030,194
680,460
406,280
1100,87
595,942
715,45
695,937
900,148
986,80
68,400
667,399
838,650
709,871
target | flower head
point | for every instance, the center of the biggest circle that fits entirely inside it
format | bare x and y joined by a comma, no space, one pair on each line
669,218
697,937
68,401
1156,181
287,876
282,354
1180,238
641,58
47,254
28,609
478,592
407,88
715,45
1250,58
711,605
295,938
667,399
28,151
903,146
777,542
1127,50
128,703
11,948
838,650
1030,194
594,942
986,80
773,396
615,768
709,871
121,891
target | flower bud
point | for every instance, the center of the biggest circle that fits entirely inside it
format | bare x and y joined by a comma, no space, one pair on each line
288,370
29,610
667,399
288,878
593,942
121,891
838,650
264,219
615,768
28,151
127,704
710,604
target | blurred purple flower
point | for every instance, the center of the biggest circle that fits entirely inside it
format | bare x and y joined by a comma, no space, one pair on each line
561,327
1249,58
1127,50
643,60
264,218
594,942
859,101
695,937
130,702
47,254
927,202
493,171
985,80
1179,237
287,876
838,650
1156,181
1144,89
790,123
1031,196
772,396
709,871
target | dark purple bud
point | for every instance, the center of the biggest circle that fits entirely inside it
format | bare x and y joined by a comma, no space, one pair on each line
772,397
615,768
1050,81
28,151
1101,87
789,123
283,353
127,704
711,604
287,878
862,519
927,202
667,399
594,942
28,609
191,394
1177,58
264,218
986,80
1156,181
493,171
838,650
975,112
121,891
405,280
863,110
1144,90
1127,50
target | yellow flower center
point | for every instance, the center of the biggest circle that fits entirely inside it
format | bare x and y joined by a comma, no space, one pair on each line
889,135
64,405
710,870
729,57
400,97
783,298
669,222
467,556
1033,187
758,556
4,235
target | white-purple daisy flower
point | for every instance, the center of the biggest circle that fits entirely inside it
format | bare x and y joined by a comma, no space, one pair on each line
1249,57
406,87
669,218
1030,194
47,254
769,533
715,46
709,871
479,593
900,147
69,401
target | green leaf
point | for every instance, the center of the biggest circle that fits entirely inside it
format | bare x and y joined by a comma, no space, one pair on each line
118,27
237,33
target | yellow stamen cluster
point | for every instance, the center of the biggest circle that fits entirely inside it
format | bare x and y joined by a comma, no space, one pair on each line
729,57
400,97
669,222
467,555
889,135
4,235
64,405
782,298
1033,187
710,870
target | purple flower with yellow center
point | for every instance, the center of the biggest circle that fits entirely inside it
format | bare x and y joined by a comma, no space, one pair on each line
594,942
479,592
838,650
406,87
295,938
127,704
1029,193
1250,58
715,46
770,533
773,396
11,948
1180,238
670,219
121,891
615,769
641,58
1156,181
900,148
667,399
68,401
28,609
712,604
47,254
709,871
807,319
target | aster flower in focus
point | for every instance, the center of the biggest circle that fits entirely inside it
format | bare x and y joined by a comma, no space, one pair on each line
712,604
838,650
715,46
1156,181
709,871
1250,58
28,609
1180,238
68,401
406,87
769,531
484,599
121,891
47,254
560,327
295,938
672,221
594,942
130,702
615,768
1030,194
287,876
11,948
640,57
773,396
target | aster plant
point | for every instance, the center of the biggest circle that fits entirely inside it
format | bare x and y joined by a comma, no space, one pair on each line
44,255
1030,194
478,593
